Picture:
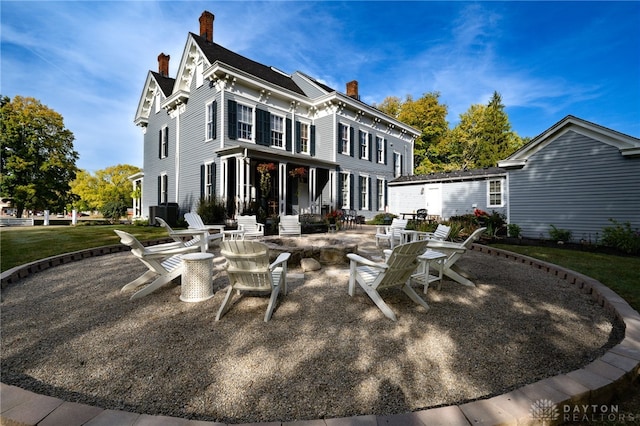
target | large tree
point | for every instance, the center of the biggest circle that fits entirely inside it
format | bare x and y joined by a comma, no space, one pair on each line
110,185
38,160
426,114
481,138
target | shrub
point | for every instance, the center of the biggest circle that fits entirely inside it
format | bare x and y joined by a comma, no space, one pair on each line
621,237
212,210
514,230
558,234
114,210
382,219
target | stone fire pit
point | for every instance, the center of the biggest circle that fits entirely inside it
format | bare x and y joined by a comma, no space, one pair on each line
327,251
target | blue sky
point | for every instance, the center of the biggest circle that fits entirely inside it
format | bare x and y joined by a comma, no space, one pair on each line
88,60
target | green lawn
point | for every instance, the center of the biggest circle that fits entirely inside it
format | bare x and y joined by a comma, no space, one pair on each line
19,245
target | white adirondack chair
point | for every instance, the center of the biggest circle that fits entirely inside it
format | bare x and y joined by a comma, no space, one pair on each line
179,240
289,225
454,251
163,260
195,222
249,224
441,233
248,269
395,272
391,233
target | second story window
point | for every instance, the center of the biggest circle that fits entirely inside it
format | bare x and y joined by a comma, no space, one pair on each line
277,131
212,112
380,157
304,138
245,122
344,139
163,142
364,145
397,164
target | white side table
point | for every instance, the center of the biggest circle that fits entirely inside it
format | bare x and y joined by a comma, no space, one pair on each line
197,277
430,259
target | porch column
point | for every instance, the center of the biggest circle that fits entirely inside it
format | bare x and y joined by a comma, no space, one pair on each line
282,188
333,186
312,190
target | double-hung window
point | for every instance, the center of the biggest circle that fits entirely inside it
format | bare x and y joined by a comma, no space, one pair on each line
364,192
364,145
163,142
277,131
346,186
211,121
208,180
495,193
163,189
304,138
380,188
245,122
344,139
379,150
397,164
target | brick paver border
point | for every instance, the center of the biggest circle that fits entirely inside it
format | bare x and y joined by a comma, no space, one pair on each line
594,384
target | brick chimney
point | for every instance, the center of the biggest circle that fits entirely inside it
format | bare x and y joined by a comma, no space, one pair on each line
352,89
163,64
206,25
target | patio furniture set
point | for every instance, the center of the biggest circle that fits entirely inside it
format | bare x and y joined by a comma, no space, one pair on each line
411,257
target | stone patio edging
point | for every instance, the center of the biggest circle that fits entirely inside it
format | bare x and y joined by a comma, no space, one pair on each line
593,385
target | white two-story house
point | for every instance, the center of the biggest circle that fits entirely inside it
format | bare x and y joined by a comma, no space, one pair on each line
209,130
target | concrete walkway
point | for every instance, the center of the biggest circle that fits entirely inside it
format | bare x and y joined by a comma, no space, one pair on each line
594,384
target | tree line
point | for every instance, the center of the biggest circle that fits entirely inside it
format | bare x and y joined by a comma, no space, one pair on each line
482,137
38,162
38,165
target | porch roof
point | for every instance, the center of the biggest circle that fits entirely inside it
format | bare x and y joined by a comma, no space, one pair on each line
268,153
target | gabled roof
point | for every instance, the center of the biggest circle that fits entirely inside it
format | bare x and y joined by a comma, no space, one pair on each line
452,176
154,82
628,145
216,53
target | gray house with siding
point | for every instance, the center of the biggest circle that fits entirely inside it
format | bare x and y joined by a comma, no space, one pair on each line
576,176
447,194
207,131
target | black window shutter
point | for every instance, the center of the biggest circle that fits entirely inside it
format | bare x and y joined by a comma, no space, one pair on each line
165,186
159,190
351,138
370,147
313,140
351,188
166,144
401,165
369,192
259,127
394,166
385,152
266,128
232,118
159,143
214,118
203,172
375,197
339,144
384,184
297,137
288,135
